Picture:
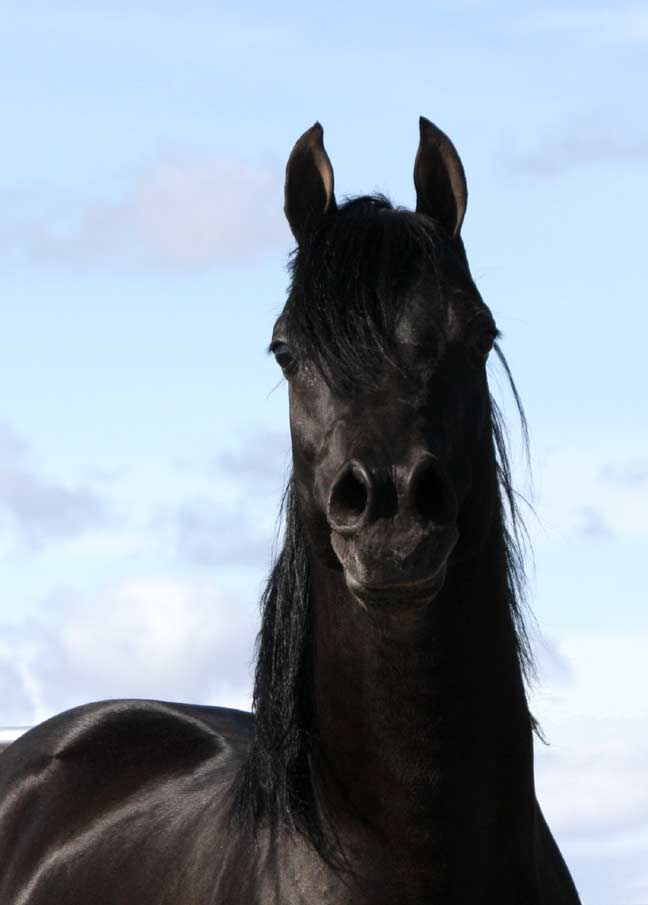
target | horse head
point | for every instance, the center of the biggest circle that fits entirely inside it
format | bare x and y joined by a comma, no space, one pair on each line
383,342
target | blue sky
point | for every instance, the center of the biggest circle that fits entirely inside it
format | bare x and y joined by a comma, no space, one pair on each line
143,433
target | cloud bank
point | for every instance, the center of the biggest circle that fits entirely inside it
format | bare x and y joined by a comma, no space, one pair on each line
611,24
182,213
576,145
591,780
583,496
35,510
167,639
207,533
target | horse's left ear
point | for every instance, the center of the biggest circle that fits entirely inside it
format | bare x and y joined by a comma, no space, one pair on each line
309,184
441,190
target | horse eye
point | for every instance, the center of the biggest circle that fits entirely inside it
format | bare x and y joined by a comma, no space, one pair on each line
284,357
482,345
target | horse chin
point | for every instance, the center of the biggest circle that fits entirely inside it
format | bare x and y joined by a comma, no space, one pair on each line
416,592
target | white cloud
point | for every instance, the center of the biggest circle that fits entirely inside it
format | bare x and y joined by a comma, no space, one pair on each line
35,510
633,472
150,30
12,447
610,24
149,638
580,493
233,519
581,142
592,780
262,455
182,213
205,532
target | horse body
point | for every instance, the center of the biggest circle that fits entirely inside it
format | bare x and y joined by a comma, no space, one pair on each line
129,802
390,759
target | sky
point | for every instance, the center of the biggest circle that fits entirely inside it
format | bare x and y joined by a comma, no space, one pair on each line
143,429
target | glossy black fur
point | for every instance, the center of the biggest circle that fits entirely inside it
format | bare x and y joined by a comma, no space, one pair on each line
390,758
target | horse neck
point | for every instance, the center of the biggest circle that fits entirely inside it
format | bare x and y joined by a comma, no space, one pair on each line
421,727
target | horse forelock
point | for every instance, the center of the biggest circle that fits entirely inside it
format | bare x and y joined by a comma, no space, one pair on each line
350,281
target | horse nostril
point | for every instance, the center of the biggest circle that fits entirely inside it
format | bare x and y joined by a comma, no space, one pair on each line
430,493
349,498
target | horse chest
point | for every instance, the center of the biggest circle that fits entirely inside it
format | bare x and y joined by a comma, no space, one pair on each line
293,874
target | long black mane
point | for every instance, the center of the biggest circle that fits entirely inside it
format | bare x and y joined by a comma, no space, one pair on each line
354,281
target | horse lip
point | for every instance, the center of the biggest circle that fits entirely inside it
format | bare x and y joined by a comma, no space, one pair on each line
392,585
431,581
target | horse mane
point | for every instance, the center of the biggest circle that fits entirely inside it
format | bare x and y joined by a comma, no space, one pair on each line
353,280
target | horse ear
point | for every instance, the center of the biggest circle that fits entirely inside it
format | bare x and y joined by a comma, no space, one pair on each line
309,183
441,190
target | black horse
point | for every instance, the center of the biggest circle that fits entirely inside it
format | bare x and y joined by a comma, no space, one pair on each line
390,758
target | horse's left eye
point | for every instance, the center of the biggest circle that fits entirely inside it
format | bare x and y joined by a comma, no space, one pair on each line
284,356
482,345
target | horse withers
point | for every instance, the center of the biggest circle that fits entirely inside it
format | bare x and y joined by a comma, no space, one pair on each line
389,760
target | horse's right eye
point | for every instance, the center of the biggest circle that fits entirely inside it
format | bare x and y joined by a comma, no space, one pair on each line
284,356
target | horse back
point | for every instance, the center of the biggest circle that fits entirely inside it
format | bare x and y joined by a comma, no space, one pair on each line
117,801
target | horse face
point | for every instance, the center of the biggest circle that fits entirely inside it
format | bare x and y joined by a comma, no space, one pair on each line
382,471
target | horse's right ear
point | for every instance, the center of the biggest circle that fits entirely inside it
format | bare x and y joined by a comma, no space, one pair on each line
309,184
